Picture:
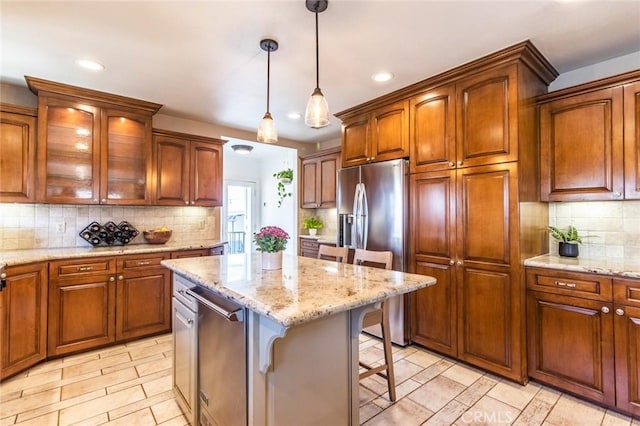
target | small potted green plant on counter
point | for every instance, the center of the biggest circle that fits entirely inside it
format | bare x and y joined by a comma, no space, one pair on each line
312,224
567,240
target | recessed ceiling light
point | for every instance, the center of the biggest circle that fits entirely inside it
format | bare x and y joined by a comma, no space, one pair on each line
242,149
90,65
293,116
381,77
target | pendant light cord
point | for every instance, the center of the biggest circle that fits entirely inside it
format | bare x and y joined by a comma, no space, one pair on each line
268,74
317,51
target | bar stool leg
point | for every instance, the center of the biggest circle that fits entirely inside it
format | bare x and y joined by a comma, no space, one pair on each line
388,358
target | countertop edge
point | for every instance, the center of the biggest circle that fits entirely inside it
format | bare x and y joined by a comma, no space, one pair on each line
622,268
23,257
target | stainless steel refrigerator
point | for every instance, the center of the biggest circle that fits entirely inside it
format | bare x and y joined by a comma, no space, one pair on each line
373,215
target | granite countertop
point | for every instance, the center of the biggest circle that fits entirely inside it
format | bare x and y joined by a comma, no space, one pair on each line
322,239
303,290
629,268
20,257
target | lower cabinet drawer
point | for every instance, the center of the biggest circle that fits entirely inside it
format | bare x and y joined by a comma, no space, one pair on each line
588,286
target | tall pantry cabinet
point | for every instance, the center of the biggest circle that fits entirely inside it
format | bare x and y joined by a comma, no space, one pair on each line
475,213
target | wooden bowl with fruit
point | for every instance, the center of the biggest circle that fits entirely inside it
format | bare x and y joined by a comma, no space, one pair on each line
157,236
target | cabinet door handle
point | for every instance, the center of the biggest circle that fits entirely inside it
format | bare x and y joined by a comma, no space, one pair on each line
111,279
104,200
186,202
144,263
459,162
452,164
619,312
190,321
181,291
3,281
617,194
605,310
120,277
459,263
563,284
452,262
84,268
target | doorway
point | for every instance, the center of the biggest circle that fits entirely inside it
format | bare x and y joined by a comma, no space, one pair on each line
239,222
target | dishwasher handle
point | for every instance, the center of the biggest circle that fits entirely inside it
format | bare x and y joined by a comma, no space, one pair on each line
234,316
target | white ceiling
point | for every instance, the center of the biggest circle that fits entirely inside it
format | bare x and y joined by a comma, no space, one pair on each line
202,60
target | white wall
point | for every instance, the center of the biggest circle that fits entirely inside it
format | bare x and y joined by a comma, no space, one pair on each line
597,71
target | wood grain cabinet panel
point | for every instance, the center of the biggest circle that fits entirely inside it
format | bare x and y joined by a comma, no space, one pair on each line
355,140
17,154
93,147
632,141
23,318
626,297
187,169
318,184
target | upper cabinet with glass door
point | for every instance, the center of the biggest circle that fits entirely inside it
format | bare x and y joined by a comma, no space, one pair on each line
93,147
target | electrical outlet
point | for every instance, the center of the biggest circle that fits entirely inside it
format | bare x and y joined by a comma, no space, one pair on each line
61,227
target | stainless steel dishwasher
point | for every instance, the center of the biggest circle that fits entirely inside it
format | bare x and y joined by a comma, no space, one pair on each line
222,367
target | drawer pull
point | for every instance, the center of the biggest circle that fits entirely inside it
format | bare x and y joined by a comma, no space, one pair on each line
605,310
144,263
84,268
619,312
181,291
563,284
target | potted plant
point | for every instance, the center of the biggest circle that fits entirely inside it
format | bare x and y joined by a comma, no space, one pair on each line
271,241
284,177
312,224
567,240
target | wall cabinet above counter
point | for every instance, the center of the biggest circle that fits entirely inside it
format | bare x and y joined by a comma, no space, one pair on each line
318,183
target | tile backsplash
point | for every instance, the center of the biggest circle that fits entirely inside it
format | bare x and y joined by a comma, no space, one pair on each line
611,228
329,218
29,226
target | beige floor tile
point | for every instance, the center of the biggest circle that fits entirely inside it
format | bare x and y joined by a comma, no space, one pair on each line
30,414
165,410
548,395
448,414
462,374
127,409
375,384
133,363
433,371
96,364
368,410
80,358
100,419
477,390
404,389
423,358
20,383
534,413
154,366
149,341
176,421
50,419
404,370
138,381
159,385
404,412
400,353
514,394
7,420
45,366
60,383
371,355
100,382
366,395
489,411
8,396
140,417
436,393
145,351
571,411
99,405
611,418
28,403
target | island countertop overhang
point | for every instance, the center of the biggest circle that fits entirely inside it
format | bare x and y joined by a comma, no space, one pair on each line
303,290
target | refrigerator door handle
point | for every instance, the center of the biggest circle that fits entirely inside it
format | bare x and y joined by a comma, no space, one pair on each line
356,218
365,217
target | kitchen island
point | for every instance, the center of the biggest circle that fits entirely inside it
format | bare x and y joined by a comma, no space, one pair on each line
302,325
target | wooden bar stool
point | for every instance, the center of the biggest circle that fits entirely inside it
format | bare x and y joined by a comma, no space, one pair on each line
379,316
339,254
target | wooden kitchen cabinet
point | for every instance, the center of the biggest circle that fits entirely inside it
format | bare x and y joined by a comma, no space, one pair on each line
584,335
632,141
379,135
23,318
93,147
188,169
143,296
191,253
626,297
318,184
586,148
17,154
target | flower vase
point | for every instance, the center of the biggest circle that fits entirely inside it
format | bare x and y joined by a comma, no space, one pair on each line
568,250
271,261
313,231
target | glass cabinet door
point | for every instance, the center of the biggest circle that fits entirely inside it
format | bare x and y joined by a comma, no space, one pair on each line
126,158
69,141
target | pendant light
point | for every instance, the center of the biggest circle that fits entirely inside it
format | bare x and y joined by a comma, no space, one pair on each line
317,113
267,131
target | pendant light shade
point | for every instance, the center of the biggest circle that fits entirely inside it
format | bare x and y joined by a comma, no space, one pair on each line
317,113
267,131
